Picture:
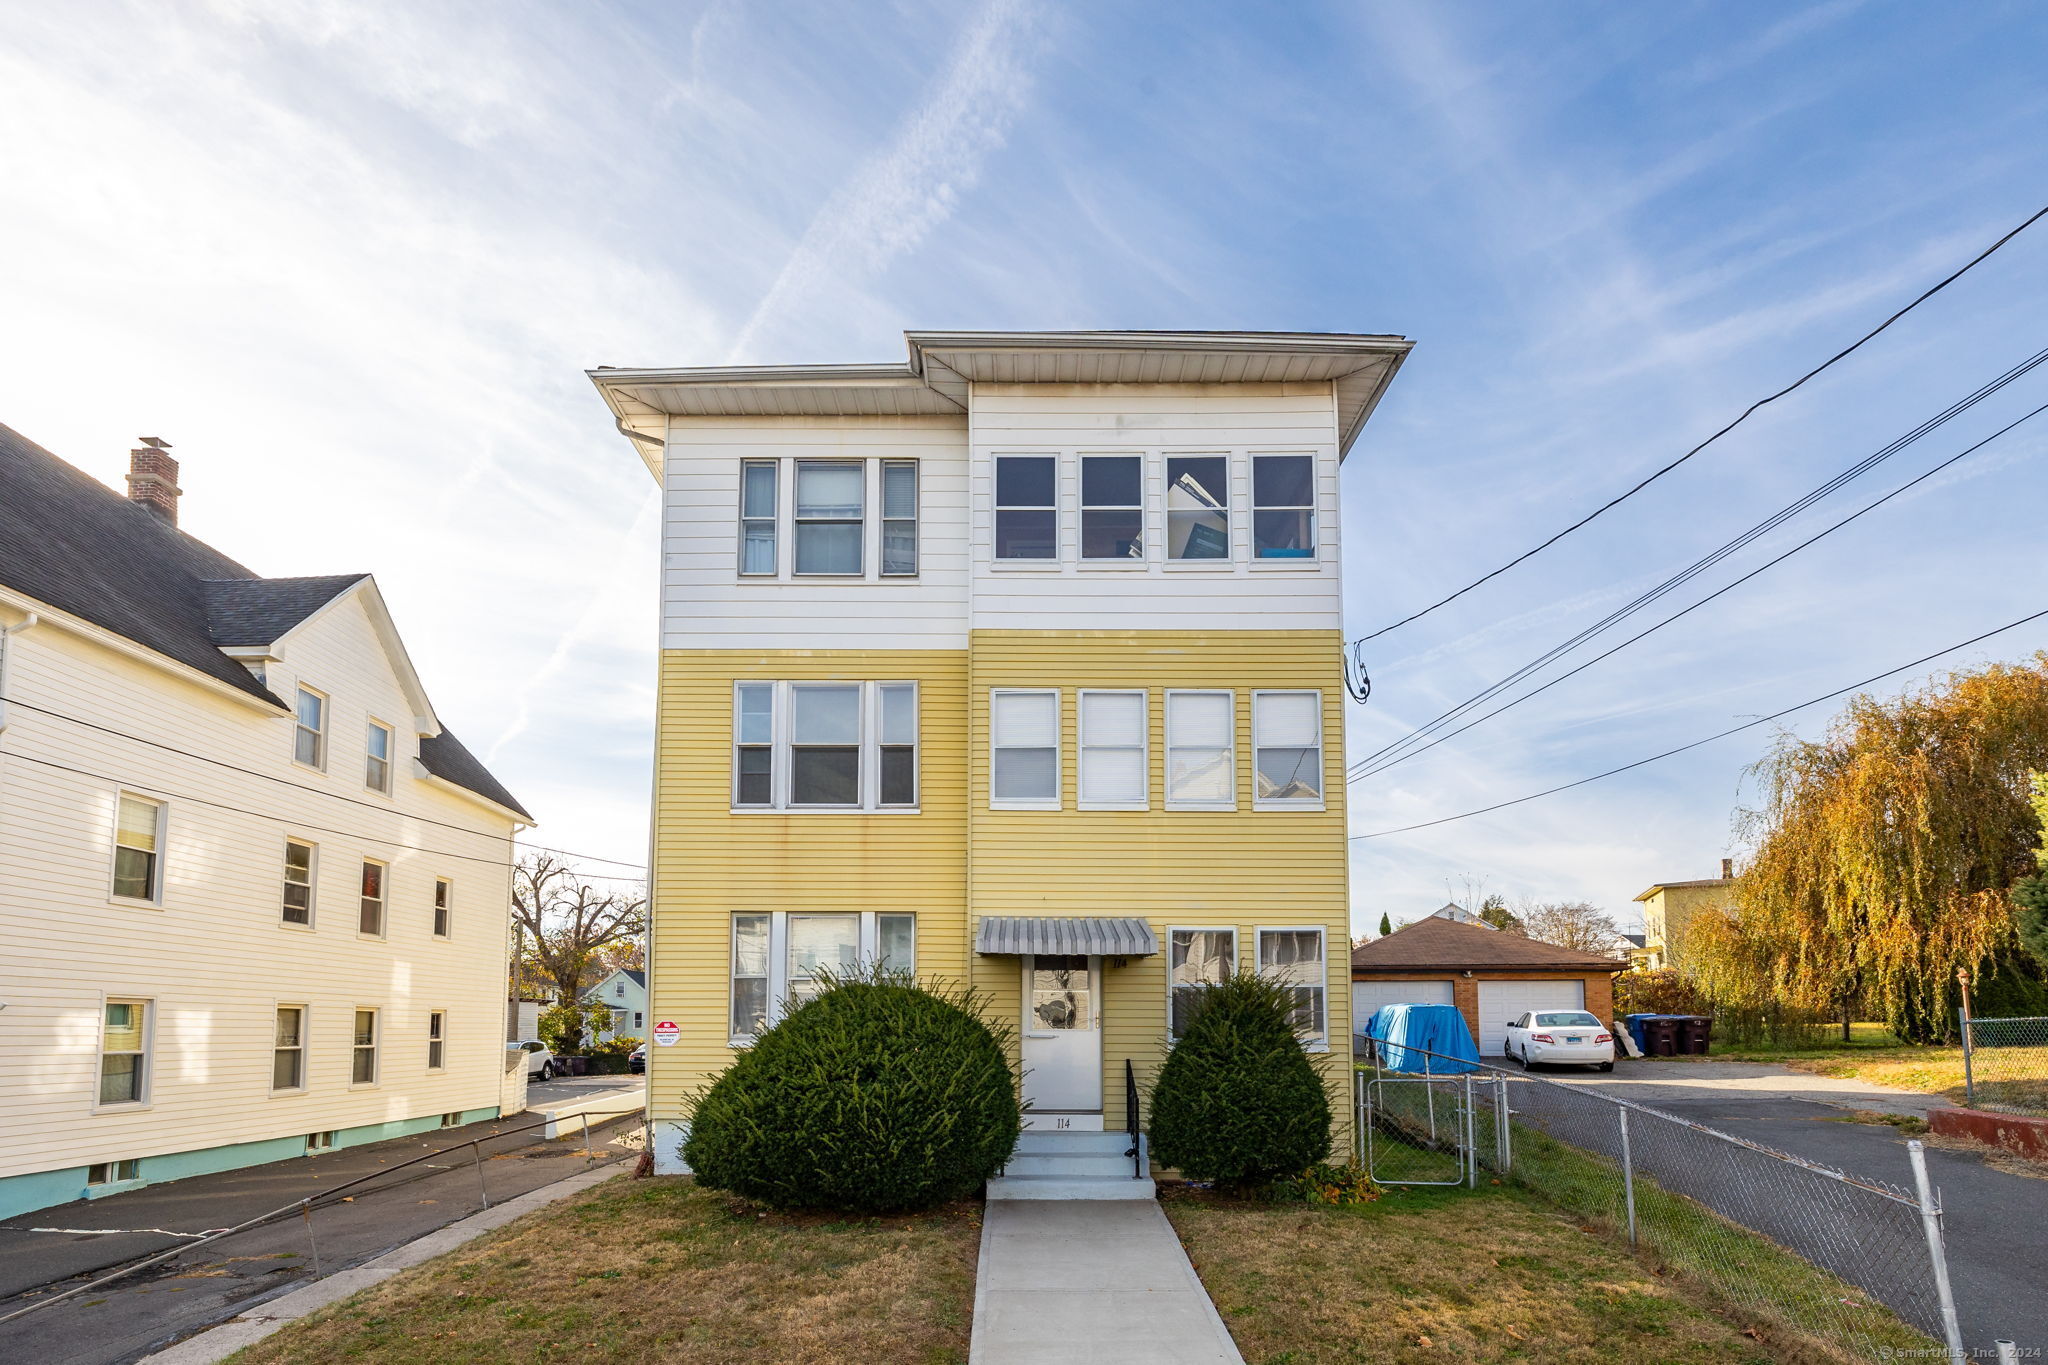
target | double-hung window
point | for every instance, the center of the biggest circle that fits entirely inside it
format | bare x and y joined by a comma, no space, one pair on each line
1198,507
1113,751
899,518
437,1039
776,958
1293,960
377,760
1113,507
309,729
288,1049
1287,733
138,842
817,745
831,504
444,900
1024,740
1201,772
758,515
1027,507
372,918
1196,960
124,1052
363,1065
298,882
1283,507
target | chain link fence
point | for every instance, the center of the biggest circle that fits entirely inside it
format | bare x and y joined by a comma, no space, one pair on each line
2005,1064
1835,1266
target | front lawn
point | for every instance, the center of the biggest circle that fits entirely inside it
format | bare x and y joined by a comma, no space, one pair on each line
659,1270
1491,1274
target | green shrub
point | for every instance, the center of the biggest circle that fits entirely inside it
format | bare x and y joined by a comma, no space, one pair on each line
608,1058
1238,1101
878,1096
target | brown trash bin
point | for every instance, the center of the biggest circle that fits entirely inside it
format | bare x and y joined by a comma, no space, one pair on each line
1660,1037
1694,1031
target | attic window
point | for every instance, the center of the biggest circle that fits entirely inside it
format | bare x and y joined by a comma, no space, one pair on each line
377,768
309,740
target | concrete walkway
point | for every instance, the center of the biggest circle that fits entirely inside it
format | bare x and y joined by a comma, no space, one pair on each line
1090,1282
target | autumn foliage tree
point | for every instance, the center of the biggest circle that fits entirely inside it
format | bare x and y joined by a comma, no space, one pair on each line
1882,859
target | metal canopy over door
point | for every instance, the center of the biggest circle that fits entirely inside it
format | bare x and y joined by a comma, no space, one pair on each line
1502,1002
1062,1043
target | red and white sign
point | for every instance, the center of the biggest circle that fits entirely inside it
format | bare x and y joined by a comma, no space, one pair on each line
666,1033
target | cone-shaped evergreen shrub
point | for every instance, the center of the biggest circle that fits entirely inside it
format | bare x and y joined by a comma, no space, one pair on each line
878,1096
1238,1101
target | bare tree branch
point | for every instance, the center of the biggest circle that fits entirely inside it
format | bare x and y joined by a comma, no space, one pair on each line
565,922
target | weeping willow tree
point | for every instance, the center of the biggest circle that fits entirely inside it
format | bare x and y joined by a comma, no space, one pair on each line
2030,897
1883,855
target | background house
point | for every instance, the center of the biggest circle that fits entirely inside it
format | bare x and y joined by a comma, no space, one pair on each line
624,993
1669,906
254,894
1490,976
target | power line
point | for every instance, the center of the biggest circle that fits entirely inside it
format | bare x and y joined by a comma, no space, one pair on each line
1381,767
299,786
295,824
1614,502
1732,730
1701,565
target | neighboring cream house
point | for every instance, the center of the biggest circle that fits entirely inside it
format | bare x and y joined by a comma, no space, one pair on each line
624,993
254,895
1019,665
1669,906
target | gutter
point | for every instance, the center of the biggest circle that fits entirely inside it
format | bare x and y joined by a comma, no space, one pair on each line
27,623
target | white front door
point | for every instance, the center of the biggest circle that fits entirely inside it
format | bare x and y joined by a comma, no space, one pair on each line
1062,1043
1503,1002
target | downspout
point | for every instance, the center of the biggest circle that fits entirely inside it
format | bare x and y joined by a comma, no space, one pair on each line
7,633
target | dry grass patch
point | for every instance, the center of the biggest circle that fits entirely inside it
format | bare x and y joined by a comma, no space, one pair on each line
1484,1275
659,1270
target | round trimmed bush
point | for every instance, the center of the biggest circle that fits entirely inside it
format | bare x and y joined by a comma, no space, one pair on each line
877,1096
1238,1101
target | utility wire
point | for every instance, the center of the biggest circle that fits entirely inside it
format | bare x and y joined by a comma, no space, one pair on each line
1818,535
297,824
1732,730
1614,502
1700,566
300,786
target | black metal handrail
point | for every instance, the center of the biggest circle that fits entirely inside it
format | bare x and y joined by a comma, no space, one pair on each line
1137,1152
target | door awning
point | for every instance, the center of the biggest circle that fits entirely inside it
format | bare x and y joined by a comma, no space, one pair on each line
1065,936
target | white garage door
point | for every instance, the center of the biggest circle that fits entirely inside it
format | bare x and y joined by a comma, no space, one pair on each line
1368,996
1502,1002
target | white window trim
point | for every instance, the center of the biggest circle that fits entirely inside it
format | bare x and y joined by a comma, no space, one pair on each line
1057,801
383,902
1233,516
305,1047
1082,507
781,763
1314,563
1322,756
441,1014
376,1013
312,885
1144,746
1171,930
390,757
1057,560
155,900
867,464
327,1146
1322,933
449,907
147,1098
774,518
1230,748
870,951
882,517
324,732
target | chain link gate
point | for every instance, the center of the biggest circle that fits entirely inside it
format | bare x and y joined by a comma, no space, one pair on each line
1432,1130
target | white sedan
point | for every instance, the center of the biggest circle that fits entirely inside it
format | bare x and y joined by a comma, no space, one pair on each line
1570,1036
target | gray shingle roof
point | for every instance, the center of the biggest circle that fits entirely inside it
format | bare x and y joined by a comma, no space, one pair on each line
68,540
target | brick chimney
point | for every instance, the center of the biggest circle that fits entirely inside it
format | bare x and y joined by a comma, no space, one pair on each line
153,478
1727,869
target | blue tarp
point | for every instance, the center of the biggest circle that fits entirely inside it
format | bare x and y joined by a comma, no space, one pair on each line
1398,1030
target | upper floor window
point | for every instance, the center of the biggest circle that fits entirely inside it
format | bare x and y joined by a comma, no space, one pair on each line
1027,507
899,518
848,746
372,921
1198,507
309,735
1113,750
124,1052
363,1067
1294,959
1024,741
1201,770
444,895
831,501
1196,958
298,882
377,765
1287,732
758,515
1112,507
138,841
1283,506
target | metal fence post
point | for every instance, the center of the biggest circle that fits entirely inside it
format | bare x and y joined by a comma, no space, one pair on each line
2008,1354
1628,1176
1969,1080
1503,1145
1930,1222
1471,1138
476,1150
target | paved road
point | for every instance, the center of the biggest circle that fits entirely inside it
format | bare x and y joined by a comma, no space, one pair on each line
1996,1221
542,1093
141,1313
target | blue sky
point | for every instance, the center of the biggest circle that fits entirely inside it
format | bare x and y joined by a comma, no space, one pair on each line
353,260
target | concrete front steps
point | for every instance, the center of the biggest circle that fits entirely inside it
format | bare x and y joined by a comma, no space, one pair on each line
1055,1165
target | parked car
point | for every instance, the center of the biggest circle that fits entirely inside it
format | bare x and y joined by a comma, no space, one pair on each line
636,1060
1568,1037
540,1060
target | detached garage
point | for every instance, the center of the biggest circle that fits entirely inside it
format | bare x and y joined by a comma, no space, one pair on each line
1491,976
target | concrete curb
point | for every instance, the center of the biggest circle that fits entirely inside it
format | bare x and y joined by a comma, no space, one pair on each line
218,1343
